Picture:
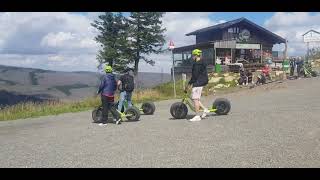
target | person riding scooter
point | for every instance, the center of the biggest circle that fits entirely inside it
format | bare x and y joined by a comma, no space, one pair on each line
107,88
126,87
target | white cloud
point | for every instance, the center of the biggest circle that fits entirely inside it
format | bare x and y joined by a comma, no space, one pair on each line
42,33
292,26
65,41
54,40
68,41
178,24
56,58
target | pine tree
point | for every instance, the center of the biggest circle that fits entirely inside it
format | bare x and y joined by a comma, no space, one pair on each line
113,37
146,36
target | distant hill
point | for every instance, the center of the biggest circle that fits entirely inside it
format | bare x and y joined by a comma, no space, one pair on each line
23,84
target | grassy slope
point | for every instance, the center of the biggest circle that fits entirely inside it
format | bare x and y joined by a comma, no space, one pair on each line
161,92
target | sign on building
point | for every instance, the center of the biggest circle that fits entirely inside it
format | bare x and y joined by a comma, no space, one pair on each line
311,36
171,45
247,46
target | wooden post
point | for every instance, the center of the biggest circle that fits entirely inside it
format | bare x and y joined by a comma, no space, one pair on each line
261,53
286,50
231,55
215,59
215,56
173,77
307,51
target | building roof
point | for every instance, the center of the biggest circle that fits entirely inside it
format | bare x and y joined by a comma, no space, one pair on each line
311,31
193,46
233,22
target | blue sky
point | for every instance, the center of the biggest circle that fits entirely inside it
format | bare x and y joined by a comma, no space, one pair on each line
257,17
65,40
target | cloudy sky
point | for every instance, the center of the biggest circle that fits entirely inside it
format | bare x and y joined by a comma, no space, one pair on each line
64,41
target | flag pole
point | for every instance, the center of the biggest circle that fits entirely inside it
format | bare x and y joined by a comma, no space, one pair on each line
171,47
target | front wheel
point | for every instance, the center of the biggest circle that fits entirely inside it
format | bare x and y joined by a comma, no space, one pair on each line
222,106
132,114
314,74
179,110
148,108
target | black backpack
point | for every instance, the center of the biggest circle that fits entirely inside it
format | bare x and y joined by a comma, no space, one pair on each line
127,83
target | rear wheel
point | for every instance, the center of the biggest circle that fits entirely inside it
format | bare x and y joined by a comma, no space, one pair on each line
132,114
314,74
222,105
97,115
148,108
179,110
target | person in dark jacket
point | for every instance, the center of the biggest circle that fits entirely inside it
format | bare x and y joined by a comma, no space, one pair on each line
292,66
198,80
107,88
126,87
243,80
299,63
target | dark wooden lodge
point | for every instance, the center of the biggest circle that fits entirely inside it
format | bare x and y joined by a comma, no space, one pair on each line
237,41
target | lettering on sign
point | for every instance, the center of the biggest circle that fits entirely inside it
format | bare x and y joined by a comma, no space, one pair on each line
311,36
247,46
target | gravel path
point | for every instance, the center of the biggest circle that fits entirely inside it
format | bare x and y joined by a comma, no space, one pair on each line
275,125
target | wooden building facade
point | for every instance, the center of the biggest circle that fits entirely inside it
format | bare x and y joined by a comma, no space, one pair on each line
237,41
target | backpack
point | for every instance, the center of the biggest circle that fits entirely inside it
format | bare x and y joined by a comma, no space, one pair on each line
127,83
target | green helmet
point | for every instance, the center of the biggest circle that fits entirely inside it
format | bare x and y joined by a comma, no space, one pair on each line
108,69
196,52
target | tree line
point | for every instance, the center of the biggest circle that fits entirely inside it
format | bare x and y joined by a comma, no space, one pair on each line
125,40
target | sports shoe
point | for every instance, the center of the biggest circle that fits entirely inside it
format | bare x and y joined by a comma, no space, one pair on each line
204,114
102,124
195,118
118,121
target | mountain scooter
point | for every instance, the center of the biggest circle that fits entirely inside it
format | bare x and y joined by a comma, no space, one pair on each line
179,110
130,113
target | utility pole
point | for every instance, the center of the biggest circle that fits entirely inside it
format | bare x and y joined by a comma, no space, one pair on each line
307,51
171,47
174,79
161,75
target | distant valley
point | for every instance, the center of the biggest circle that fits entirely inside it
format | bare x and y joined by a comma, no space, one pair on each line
27,84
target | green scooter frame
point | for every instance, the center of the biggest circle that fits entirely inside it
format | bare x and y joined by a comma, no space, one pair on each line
147,108
131,114
179,110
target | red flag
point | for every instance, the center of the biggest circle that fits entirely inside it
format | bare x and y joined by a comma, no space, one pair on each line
171,45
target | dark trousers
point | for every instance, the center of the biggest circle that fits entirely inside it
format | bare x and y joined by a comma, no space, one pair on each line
291,70
108,104
299,67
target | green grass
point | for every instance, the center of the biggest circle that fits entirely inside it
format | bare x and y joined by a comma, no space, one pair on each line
29,110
